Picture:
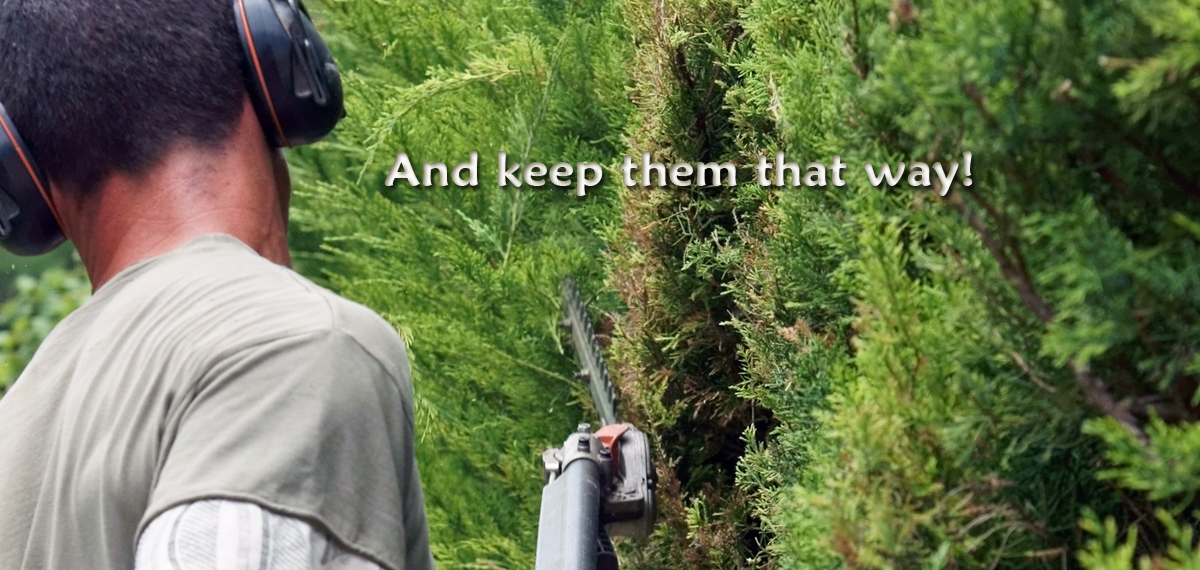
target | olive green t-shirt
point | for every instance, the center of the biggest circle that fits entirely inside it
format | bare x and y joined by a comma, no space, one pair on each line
209,372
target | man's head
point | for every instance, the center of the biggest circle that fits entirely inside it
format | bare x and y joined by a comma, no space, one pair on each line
157,120
104,86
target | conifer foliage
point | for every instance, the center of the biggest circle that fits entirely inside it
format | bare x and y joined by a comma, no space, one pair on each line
967,381
469,276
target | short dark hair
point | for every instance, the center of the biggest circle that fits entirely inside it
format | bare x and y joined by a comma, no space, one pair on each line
97,87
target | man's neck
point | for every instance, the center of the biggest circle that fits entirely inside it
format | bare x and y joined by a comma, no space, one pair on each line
190,192
159,221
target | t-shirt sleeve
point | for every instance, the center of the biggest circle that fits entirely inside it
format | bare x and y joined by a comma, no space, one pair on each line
312,426
219,534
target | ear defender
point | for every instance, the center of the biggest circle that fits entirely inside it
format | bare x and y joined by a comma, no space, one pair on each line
294,83
28,223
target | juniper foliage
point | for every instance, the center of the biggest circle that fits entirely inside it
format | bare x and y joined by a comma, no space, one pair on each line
953,381
1008,339
469,276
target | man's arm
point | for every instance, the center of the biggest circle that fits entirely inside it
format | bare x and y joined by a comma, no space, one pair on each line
312,425
237,535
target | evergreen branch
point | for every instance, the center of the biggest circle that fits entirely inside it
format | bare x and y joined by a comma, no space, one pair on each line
1015,277
858,57
486,70
1094,389
1033,377
532,366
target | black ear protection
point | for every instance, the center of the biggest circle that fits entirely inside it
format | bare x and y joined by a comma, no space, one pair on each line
293,82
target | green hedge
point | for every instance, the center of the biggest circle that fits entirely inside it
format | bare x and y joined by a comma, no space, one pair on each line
470,277
954,382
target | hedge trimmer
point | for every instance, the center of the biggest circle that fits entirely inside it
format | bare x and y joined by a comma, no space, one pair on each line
600,484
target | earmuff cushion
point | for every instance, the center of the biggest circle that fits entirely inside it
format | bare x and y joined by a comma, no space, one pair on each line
34,229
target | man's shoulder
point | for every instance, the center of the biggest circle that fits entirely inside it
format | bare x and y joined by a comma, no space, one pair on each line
370,331
223,297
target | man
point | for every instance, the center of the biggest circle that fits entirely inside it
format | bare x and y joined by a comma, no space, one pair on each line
208,408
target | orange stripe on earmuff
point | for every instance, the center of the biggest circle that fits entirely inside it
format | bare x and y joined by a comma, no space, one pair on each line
32,173
262,82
